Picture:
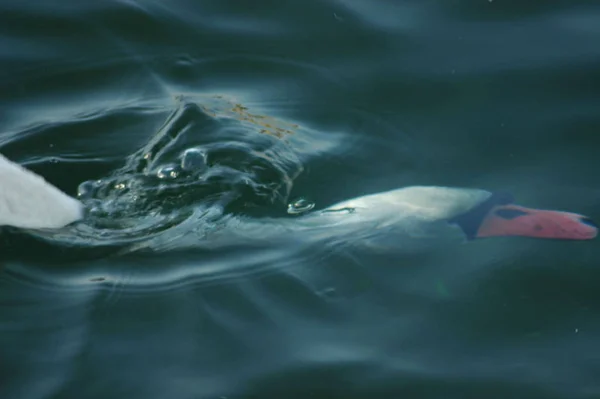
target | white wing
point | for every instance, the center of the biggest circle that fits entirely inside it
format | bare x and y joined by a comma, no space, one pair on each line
28,201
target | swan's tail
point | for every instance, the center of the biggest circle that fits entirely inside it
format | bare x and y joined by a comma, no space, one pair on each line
28,201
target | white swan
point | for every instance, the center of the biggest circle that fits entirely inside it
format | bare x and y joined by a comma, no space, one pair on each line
28,201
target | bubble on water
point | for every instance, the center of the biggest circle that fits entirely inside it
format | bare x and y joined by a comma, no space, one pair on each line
168,172
193,160
299,206
87,189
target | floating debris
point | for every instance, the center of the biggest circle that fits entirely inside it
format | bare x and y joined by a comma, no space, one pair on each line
221,106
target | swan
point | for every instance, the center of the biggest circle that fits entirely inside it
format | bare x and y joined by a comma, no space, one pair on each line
28,201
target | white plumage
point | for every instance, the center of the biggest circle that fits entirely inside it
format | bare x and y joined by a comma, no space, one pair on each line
28,201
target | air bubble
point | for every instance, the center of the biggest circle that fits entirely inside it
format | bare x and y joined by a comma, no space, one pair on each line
299,206
168,172
193,160
87,189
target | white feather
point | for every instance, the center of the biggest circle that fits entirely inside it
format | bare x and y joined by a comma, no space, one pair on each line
28,201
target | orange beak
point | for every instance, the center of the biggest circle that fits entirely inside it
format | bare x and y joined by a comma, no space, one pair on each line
515,220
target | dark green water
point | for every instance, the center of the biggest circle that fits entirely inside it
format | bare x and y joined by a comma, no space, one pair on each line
499,95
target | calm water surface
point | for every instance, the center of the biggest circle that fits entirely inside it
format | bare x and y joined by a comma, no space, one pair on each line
323,100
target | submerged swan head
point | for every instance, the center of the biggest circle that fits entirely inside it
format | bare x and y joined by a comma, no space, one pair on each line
476,213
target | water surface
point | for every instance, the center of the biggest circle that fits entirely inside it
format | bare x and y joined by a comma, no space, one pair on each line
323,100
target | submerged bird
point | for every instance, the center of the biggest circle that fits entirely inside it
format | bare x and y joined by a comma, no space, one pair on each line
27,201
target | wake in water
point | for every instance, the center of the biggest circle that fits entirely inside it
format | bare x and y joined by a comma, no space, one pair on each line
217,175
211,159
